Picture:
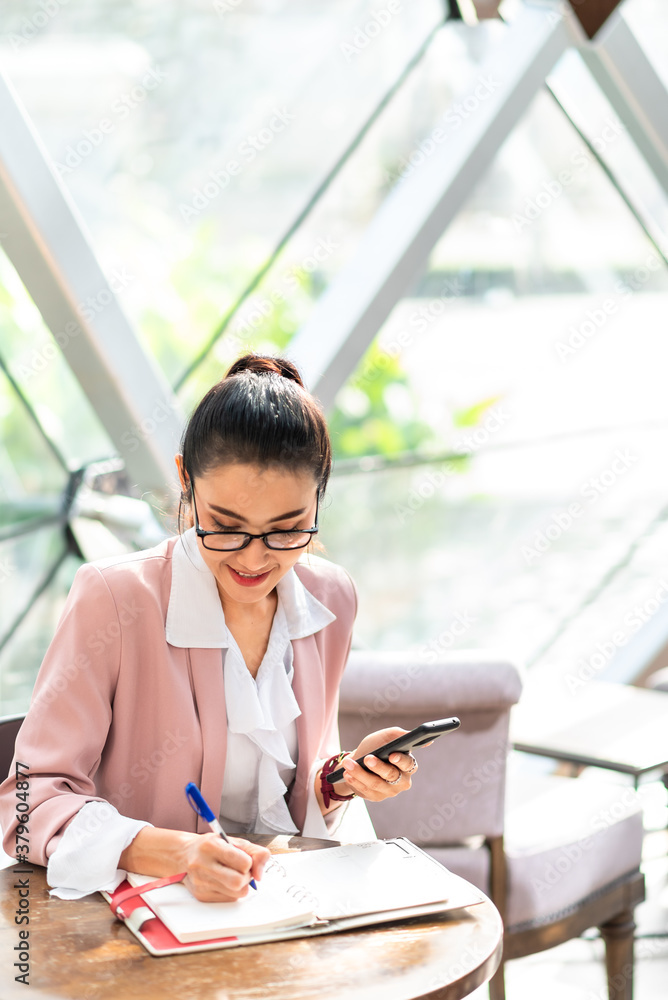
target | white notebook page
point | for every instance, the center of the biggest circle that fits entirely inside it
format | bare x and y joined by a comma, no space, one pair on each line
191,920
296,889
366,878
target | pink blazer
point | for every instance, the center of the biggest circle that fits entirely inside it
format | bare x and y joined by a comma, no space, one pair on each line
118,714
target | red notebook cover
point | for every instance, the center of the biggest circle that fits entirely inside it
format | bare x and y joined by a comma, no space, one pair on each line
153,933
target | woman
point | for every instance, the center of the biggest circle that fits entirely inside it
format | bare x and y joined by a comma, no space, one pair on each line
214,657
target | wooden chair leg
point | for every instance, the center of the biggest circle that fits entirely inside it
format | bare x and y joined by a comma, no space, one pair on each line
497,984
618,937
498,878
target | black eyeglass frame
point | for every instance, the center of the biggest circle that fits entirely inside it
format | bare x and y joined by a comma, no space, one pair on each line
203,533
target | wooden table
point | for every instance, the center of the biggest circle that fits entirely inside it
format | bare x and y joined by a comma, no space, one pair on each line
79,951
613,726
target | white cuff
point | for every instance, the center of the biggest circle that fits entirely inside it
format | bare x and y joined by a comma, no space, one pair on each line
86,859
350,823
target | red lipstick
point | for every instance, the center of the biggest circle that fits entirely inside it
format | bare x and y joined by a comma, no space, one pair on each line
248,581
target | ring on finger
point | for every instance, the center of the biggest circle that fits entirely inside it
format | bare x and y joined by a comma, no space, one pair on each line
414,767
396,780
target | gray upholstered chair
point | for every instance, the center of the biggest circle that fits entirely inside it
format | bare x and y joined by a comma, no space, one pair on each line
557,855
9,727
658,681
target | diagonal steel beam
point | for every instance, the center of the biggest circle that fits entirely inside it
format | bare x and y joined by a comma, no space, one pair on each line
635,90
395,246
592,14
45,239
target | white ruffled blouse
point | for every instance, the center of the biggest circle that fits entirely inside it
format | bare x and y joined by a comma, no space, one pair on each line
261,731
261,737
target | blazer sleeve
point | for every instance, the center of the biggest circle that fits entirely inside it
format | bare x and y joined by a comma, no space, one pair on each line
336,658
61,740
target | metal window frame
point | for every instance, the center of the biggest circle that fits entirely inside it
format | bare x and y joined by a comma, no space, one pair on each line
46,241
396,245
628,79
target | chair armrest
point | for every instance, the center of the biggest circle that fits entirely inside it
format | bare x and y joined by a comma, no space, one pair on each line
658,681
470,680
458,790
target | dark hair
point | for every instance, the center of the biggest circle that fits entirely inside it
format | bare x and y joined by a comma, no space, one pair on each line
260,413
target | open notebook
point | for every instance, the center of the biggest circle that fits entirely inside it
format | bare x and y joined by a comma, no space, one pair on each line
313,892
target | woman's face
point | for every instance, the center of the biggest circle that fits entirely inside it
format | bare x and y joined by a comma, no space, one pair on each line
253,499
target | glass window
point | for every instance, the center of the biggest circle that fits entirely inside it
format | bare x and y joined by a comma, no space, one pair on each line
327,237
649,23
25,560
513,395
533,348
21,657
191,136
37,364
31,476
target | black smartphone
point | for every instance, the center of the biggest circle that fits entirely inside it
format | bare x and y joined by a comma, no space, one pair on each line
425,733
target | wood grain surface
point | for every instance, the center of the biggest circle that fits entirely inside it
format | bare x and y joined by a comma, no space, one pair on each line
79,951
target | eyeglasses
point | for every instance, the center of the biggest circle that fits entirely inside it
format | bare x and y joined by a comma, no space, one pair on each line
232,541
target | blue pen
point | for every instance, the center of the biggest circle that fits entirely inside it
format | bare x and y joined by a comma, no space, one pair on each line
197,801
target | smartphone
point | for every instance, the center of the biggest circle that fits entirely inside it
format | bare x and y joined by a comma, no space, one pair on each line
425,733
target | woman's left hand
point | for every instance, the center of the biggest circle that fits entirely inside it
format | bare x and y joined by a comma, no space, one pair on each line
385,779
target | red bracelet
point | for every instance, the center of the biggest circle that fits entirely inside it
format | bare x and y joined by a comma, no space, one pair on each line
326,788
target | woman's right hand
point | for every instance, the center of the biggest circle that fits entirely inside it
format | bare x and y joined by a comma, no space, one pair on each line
217,872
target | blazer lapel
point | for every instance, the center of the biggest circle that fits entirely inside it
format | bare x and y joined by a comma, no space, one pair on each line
206,670
308,684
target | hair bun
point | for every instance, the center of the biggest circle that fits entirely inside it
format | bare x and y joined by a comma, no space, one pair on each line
265,364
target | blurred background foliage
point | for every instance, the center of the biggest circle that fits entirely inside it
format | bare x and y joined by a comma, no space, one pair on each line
376,413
